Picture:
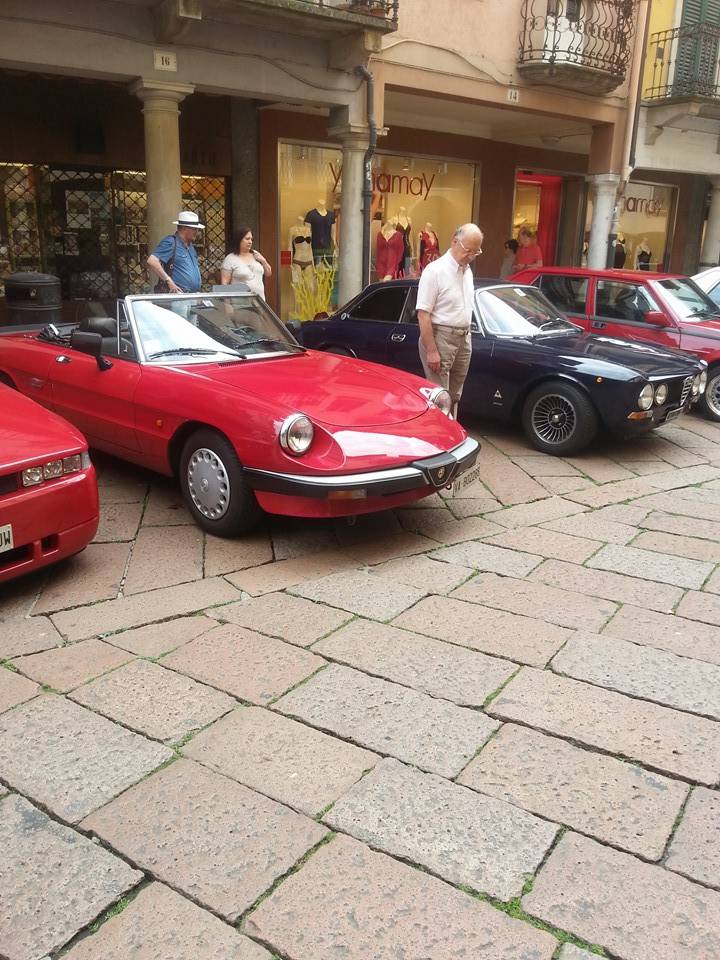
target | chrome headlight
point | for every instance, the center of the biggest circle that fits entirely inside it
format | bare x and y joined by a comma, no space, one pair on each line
661,392
296,434
55,468
441,399
699,384
647,395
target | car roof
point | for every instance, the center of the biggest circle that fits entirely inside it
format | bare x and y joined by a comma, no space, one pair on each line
413,282
630,275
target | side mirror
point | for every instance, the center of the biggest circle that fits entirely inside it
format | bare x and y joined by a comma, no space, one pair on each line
657,319
90,343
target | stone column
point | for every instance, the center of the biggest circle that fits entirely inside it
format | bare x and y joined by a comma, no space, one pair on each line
710,254
603,187
162,153
245,168
354,140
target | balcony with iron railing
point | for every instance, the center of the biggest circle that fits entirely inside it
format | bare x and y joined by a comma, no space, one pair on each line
684,65
577,44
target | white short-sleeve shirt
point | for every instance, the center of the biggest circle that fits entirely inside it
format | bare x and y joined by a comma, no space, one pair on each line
250,273
445,291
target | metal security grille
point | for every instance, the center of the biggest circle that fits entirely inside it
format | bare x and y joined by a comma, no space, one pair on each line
89,227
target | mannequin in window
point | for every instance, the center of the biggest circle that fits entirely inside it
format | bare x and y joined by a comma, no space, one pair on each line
404,226
389,251
643,255
619,252
427,247
322,229
300,244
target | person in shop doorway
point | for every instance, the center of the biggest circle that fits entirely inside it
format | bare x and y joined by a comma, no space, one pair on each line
174,260
244,264
444,307
528,253
508,265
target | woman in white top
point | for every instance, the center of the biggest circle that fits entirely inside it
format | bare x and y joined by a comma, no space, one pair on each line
246,265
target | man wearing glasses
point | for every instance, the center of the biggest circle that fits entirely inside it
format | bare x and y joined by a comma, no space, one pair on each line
174,261
444,306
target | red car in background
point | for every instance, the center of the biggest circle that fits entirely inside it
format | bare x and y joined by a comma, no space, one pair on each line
663,309
48,489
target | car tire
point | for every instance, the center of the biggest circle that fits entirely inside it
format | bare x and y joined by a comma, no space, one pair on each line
559,418
214,486
709,402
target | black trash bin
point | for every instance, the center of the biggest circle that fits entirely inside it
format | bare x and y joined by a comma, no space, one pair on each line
32,299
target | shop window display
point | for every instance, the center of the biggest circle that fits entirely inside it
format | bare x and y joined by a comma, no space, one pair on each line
417,204
644,227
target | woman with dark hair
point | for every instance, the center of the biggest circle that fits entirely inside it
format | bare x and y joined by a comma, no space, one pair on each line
508,264
245,265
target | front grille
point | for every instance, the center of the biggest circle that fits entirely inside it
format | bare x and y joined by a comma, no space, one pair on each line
686,388
8,483
10,557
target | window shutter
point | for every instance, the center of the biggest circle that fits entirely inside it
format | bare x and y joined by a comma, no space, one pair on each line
700,11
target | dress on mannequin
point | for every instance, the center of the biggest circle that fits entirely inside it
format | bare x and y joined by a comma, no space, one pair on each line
404,226
389,252
643,256
428,247
321,222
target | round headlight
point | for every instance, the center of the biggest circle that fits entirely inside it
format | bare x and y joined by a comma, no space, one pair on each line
296,434
661,392
647,395
441,399
703,381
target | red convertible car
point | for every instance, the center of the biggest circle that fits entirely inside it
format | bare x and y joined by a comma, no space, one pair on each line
48,490
659,308
215,389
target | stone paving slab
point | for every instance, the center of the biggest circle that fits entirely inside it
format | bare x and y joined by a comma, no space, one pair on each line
642,671
700,606
424,573
544,466
440,669
563,485
135,611
294,537
679,546
157,638
539,511
462,506
593,526
440,525
27,635
600,469
283,759
654,736
118,522
66,667
633,909
243,663
350,902
713,584
163,556
687,638
613,801
509,635
569,951
482,556
695,848
683,477
69,759
682,525
557,606
294,619
375,550
710,493
153,701
159,924
627,514
286,573
610,586
435,735
165,506
15,689
661,567
609,493
479,842
547,543
94,574
507,483
223,555
53,882
210,837
361,592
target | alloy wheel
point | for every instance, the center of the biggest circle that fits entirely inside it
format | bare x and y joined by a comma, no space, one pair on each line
554,418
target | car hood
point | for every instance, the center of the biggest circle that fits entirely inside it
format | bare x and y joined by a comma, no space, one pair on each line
336,391
30,434
645,359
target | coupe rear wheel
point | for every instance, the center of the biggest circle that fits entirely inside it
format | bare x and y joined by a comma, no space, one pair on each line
214,486
558,418
710,400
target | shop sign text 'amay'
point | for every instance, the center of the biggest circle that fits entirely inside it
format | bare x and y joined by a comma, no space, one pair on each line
391,182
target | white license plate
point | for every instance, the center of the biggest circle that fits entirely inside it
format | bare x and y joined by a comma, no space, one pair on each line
464,481
6,538
674,413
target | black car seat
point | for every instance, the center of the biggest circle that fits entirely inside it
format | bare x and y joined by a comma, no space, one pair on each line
625,307
107,328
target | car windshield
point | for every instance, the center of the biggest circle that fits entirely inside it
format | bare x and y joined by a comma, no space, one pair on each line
520,312
209,328
688,300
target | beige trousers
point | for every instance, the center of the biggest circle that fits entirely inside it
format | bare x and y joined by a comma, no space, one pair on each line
455,349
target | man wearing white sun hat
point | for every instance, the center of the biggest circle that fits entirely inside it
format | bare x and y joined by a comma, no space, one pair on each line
174,261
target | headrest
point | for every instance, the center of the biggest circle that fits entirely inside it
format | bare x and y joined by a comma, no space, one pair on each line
105,326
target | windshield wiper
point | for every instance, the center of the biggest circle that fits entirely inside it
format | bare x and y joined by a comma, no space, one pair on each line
705,314
282,343
193,351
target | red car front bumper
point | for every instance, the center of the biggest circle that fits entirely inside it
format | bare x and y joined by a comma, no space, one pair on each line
49,522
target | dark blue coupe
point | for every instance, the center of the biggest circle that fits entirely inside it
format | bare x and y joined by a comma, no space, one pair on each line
529,364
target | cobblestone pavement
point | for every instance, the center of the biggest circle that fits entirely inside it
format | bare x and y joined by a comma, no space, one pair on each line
485,727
